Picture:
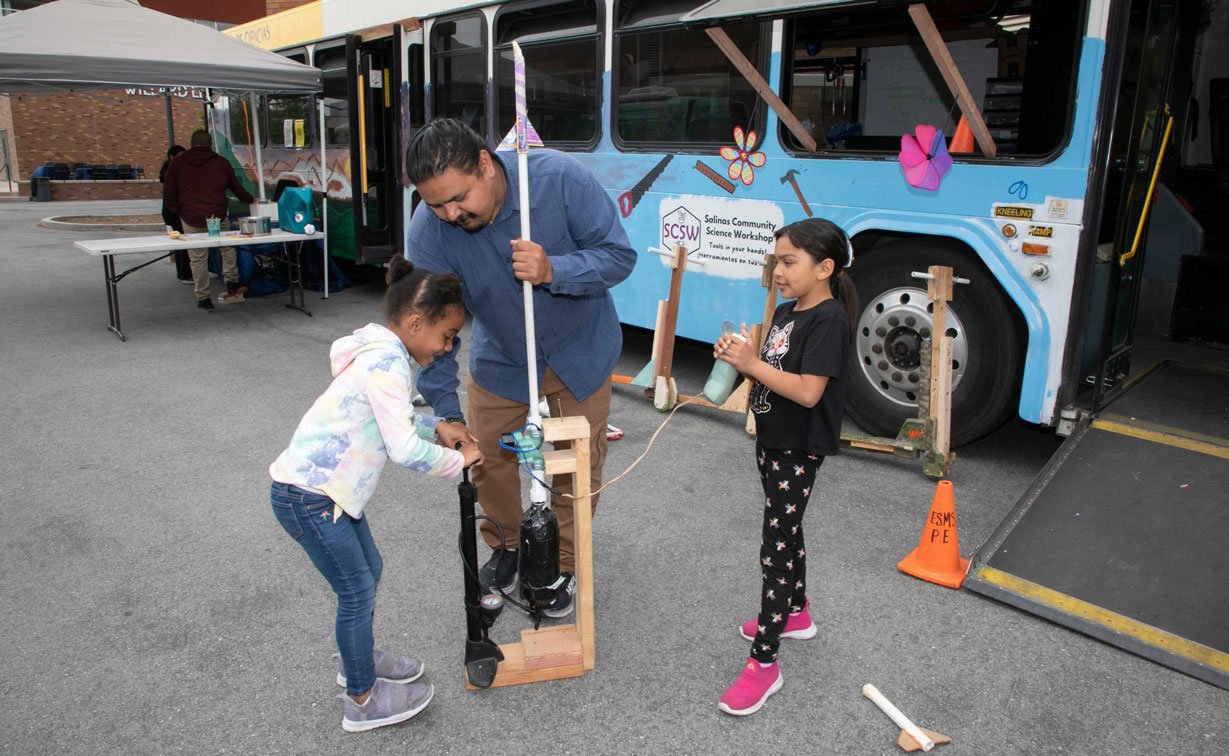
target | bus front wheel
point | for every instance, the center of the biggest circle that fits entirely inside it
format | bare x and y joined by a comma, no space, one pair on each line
885,378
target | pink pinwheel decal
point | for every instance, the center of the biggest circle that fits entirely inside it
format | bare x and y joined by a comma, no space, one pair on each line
924,157
743,159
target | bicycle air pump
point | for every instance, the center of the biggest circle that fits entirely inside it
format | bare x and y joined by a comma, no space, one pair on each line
482,655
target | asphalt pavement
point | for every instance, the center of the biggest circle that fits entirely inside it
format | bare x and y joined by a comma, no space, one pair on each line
151,604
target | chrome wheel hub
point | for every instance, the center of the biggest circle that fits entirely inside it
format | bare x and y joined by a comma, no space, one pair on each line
889,339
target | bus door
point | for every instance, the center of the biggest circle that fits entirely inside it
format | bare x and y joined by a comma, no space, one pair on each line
374,71
1138,146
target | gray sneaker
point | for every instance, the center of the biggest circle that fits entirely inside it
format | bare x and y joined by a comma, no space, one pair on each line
389,703
389,668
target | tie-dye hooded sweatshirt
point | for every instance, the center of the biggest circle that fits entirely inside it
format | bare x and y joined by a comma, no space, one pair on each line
364,419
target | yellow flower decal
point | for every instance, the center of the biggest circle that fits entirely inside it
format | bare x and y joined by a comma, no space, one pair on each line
743,157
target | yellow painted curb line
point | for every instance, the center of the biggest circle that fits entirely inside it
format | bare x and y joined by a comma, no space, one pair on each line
1135,629
1162,437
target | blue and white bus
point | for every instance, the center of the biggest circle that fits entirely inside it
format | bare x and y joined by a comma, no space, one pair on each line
1075,94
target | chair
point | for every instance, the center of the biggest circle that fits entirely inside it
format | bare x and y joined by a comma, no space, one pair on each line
78,171
98,172
60,172
141,171
112,171
124,172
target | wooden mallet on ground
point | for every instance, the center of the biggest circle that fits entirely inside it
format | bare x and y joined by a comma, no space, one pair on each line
911,736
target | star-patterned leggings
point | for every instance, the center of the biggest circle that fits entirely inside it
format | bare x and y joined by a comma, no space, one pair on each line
787,477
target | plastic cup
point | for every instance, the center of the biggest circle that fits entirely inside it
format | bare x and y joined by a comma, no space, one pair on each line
214,226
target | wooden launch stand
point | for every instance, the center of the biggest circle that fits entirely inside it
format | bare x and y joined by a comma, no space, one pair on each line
562,651
927,436
663,390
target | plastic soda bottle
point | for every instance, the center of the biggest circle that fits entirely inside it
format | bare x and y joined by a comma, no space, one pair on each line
720,383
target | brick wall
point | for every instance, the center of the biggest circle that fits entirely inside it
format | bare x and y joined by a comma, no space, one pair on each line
227,11
277,6
99,127
100,190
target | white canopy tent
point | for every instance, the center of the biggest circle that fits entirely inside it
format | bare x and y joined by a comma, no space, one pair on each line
70,45
75,45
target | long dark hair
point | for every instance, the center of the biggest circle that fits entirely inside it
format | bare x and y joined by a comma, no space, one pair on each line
419,291
171,152
440,145
824,240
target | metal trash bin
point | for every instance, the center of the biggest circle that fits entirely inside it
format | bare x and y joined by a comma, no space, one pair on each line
40,189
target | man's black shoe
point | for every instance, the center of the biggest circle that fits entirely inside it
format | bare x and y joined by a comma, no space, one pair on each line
500,571
564,601
205,304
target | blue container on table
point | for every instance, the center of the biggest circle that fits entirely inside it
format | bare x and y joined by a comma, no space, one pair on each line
294,209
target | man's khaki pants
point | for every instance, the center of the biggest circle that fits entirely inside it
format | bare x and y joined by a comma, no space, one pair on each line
199,260
498,478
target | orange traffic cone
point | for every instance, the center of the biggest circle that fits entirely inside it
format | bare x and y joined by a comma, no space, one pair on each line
937,556
962,140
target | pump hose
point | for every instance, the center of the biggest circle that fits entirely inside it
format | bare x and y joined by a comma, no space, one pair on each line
630,467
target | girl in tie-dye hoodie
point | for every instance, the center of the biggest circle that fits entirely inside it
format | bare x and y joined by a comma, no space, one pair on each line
323,480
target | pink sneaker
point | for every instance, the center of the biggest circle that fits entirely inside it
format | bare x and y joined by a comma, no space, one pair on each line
797,625
751,689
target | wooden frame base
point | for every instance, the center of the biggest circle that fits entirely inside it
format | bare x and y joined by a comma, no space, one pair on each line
561,651
552,653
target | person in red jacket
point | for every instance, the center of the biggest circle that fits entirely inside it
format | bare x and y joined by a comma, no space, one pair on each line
195,189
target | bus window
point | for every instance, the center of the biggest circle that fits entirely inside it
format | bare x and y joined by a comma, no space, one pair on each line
239,110
858,78
332,63
416,104
458,70
289,121
288,118
673,85
561,45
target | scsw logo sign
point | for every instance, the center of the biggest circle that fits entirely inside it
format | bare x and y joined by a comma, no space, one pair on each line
679,228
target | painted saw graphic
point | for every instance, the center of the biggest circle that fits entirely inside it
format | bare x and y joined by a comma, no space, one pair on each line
629,199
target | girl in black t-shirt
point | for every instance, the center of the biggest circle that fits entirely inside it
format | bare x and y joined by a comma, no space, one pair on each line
797,400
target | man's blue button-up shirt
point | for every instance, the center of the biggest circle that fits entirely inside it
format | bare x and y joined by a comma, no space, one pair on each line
576,326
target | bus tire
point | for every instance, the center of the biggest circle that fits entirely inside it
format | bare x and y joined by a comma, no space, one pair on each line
895,315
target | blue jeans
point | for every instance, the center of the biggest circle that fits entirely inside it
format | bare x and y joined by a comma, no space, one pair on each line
346,555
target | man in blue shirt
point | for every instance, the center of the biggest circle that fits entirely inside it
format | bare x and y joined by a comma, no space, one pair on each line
469,223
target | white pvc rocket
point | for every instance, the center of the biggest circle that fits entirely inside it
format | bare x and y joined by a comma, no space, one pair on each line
537,489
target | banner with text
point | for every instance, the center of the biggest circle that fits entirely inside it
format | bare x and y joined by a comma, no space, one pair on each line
728,237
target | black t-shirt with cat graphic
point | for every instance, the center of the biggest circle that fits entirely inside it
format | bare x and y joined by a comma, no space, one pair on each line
807,342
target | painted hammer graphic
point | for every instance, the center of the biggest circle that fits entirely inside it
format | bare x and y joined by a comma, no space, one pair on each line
789,176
